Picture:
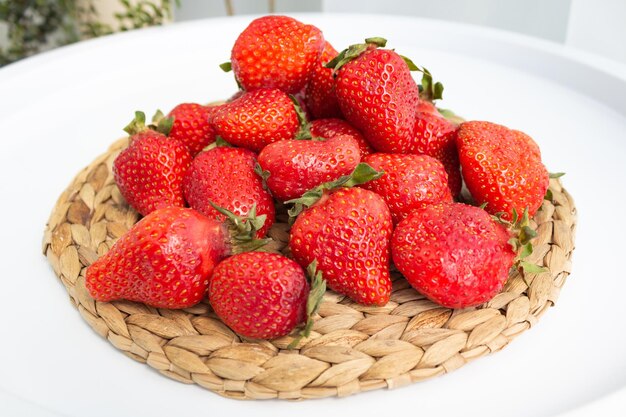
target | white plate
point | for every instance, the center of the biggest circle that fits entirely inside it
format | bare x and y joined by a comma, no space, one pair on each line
59,110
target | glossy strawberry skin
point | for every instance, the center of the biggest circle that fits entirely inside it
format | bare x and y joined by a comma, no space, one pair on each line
256,119
348,233
296,166
329,128
502,167
259,295
320,96
410,182
276,52
191,126
164,260
454,254
149,173
226,177
378,96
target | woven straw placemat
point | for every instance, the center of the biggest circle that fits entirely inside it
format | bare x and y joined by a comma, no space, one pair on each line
352,348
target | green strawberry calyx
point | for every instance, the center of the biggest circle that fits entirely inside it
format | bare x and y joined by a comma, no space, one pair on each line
243,229
160,123
304,132
313,302
361,174
429,90
354,51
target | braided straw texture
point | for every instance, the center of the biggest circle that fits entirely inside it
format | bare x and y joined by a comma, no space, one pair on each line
352,348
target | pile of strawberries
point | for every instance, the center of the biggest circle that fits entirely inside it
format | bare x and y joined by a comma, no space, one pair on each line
369,168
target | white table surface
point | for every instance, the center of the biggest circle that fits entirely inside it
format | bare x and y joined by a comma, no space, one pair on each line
59,110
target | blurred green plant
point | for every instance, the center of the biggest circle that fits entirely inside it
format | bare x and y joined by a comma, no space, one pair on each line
35,25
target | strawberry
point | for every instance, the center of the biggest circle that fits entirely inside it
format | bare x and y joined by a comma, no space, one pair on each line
410,182
454,254
347,232
191,126
256,119
377,94
502,168
259,295
296,166
276,52
329,128
149,173
165,259
320,97
226,177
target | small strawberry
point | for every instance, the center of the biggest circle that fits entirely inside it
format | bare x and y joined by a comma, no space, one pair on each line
454,254
276,52
263,295
329,128
165,259
149,173
226,177
347,232
502,168
191,126
256,119
296,166
377,94
320,97
410,182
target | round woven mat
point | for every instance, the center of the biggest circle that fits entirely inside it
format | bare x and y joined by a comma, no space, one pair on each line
352,348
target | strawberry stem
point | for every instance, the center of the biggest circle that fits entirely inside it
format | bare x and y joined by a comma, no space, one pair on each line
304,133
429,91
354,51
313,302
138,124
161,124
243,229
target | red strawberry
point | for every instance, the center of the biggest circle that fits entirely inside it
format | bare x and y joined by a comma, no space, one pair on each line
502,167
377,94
259,295
256,119
329,128
225,176
164,260
410,182
320,97
454,254
149,173
191,126
348,233
276,52
296,166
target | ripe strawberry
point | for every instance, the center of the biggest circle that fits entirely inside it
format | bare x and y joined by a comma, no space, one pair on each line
165,260
329,128
191,126
296,166
225,176
259,295
256,119
410,182
320,97
149,173
377,94
454,254
502,167
348,233
276,52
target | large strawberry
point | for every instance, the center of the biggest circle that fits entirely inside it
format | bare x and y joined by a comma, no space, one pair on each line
262,295
226,177
276,52
377,94
191,126
256,119
502,168
454,254
165,260
296,166
409,182
347,231
149,173
320,96
329,128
